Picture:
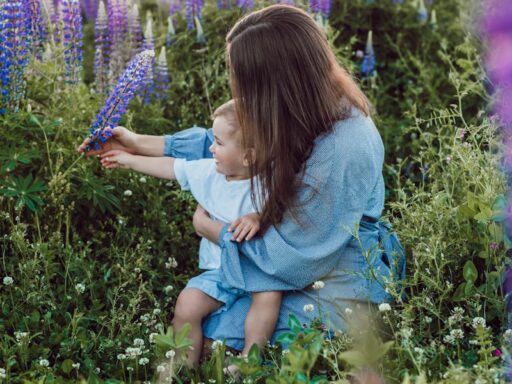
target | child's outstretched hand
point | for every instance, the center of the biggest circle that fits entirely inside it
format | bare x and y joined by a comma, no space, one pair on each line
246,227
116,158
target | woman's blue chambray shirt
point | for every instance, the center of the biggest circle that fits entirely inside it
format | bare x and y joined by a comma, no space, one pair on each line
343,194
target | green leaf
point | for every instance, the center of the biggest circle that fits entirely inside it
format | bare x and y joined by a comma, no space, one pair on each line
469,272
459,292
294,324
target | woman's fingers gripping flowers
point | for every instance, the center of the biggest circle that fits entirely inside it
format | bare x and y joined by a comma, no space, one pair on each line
121,138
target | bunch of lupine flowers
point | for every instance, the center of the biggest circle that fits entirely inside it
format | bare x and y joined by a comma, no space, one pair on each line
320,7
15,37
37,27
101,52
129,83
148,44
368,64
72,40
161,77
193,9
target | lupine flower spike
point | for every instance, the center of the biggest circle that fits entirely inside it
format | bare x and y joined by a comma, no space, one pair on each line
201,38
171,33
130,82
245,4
14,52
193,9
433,19
90,9
101,52
134,29
325,8
119,42
422,12
72,40
148,44
37,28
368,64
161,77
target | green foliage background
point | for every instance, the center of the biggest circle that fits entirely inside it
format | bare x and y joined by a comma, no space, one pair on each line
92,264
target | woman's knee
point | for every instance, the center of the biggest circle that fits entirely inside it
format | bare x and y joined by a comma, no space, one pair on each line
193,305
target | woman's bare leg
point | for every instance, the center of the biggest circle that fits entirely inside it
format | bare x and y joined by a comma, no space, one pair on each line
192,306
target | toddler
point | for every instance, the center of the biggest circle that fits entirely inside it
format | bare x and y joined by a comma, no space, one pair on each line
222,187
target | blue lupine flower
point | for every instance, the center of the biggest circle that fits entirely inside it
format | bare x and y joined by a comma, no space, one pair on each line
118,37
14,51
129,83
90,9
422,12
101,55
161,77
368,64
193,9
314,6
72,40
245,4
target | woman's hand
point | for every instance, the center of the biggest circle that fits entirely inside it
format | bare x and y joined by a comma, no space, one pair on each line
205,226
117,159
122,139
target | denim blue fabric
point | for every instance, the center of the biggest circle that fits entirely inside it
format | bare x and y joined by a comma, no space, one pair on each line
338,238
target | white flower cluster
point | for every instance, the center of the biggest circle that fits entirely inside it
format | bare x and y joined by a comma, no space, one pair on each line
3,375
457,315
138,342
80,288
318,285
44,363
217,344
143,361
455,334
8,280
478,322
152,337
384,307
160,368
128,193
20,336
507,335
170,354
168,289
171,263
76,365
309,308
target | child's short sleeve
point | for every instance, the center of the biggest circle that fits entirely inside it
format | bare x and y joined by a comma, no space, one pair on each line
196,176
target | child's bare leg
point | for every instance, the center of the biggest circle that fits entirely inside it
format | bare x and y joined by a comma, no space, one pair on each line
261,319
192,306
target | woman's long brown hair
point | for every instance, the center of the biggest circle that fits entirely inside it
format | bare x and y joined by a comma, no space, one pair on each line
288,89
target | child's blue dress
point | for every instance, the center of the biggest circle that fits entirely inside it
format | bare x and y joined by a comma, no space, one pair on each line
343,195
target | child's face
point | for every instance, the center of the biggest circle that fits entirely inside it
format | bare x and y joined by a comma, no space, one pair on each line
227,149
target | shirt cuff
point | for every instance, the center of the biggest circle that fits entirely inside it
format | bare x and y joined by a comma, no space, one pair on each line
168,145
222,236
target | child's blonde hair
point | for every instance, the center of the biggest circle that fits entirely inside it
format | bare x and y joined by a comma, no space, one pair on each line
228,111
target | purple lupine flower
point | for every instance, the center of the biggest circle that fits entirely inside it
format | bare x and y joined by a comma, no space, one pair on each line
90,9
14,52
171,33
325,8
57,22
368,64
314,6
174,7
422,14
72,40
223,4
134,29
129,83
245,4
101,54
118,30
37,28
193,9
161,77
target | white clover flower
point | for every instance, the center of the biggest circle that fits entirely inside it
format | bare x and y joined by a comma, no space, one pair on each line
168,289
348,311
98,370
171,263
121,356
129,369
160,368
478,322
8,280
318,285
507,335
384,307
20,336
127,193
152,337
448,339
406,332
473,342
309,308
133,352
44,363
3,375
457,333
285,352
138,342
143,361
419,351
80,288
217,344
170,354
142,179
427,319
76,365
157,311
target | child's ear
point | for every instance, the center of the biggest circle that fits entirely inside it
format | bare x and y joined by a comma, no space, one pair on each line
249,157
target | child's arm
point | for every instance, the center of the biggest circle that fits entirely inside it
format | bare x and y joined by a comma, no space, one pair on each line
246,227
161,167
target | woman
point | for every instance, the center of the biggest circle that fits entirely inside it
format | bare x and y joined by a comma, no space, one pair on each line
319,160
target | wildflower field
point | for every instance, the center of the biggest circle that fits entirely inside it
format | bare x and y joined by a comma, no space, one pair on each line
92,260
